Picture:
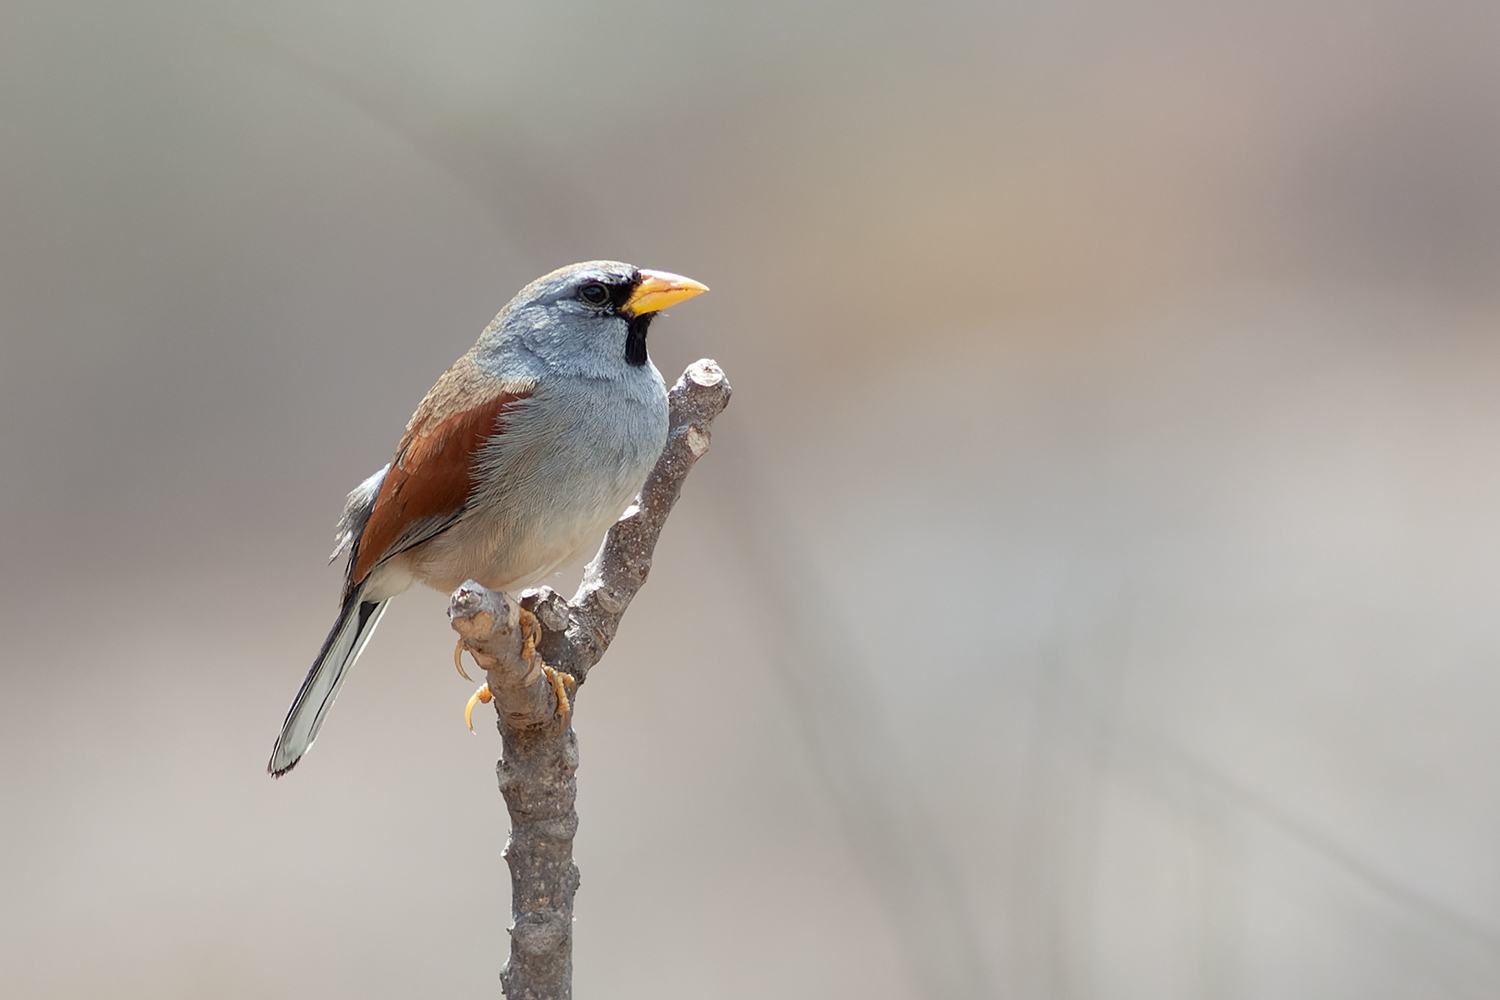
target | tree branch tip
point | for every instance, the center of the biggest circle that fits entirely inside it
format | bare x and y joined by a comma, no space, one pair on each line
476,626
705,372
464,603
472,597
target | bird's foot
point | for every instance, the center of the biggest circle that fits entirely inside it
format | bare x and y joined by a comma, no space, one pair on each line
481,697
458,661
531,631
561,684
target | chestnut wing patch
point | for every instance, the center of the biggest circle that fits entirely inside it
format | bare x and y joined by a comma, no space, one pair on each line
431,477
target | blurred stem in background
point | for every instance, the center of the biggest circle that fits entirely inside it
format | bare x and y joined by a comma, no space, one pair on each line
874,792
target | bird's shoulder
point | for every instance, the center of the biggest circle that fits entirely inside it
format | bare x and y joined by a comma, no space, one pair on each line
433,472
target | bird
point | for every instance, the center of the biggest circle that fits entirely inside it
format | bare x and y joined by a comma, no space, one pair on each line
522,454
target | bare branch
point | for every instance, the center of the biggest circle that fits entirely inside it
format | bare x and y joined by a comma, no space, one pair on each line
495,629
575,634
533,652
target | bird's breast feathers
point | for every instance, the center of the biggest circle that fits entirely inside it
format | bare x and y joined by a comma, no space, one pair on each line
558,466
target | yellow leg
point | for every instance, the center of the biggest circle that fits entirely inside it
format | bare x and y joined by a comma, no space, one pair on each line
458,661
531,631
481,697
561,682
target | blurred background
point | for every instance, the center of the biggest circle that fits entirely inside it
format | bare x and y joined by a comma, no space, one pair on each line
1091,591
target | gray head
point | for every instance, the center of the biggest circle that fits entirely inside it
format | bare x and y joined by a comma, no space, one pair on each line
586,319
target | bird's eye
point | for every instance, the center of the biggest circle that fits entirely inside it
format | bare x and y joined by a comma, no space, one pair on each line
594,293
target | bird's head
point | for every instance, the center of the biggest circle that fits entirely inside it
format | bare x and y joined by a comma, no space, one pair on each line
588,319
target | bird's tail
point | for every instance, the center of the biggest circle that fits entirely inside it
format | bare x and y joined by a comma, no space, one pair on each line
357,621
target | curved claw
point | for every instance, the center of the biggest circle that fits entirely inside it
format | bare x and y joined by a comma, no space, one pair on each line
531,630
481,697
561,682
458,661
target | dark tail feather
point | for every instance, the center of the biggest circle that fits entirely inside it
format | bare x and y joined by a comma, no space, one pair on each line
357,621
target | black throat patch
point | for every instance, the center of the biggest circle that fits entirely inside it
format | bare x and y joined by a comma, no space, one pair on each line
635,339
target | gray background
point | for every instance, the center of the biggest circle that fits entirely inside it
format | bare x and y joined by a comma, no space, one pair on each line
1090,592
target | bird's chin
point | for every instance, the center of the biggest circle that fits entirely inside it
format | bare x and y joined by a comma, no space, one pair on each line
635,339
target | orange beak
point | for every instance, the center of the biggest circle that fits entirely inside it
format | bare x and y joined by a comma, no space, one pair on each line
659,289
